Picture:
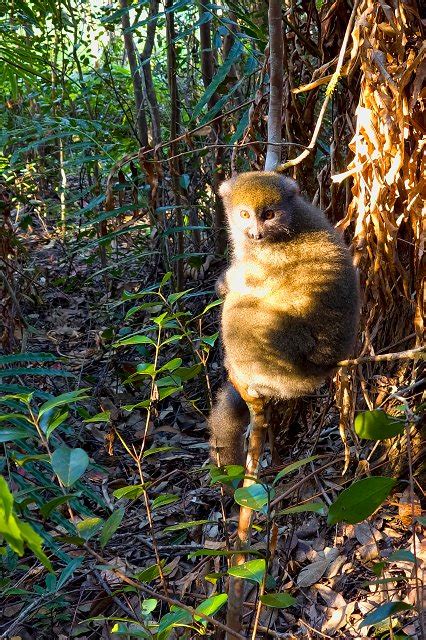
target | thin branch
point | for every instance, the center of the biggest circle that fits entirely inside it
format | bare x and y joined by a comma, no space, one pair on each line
329,91
410,354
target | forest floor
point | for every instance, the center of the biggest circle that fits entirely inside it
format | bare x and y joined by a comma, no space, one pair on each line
337,574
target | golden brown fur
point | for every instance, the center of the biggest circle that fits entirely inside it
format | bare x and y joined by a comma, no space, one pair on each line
291,300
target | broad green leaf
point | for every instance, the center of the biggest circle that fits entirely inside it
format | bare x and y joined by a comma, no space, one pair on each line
151,573
384,611
47,508
360,500
215,303
171,365
28,357
164,500
315,507
228,475
150,452
34,542
15,416
176,618
133,340
35,371
56,423
233,55
210,606
17,533
104,416
88,527
63,399
378,425
166,278
172,339
402,555
68,571
278,600
188,525
253,570
111,526
168,391
173,297
130,492
292,467
69,464
10,434
148,606
254,497
210,340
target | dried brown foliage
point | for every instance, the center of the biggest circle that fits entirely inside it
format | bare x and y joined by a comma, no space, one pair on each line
388,170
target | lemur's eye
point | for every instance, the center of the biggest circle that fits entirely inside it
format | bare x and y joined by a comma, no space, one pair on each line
269,214
244,214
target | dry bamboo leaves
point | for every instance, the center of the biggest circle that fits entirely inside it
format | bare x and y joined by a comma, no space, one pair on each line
388,163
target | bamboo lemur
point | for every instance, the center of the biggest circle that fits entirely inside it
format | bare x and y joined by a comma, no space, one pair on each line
290,307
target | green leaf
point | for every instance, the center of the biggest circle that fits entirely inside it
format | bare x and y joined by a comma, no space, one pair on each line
403,555
133,340
253,570
56,423
292,467
184,181
210,606
10,434
69,464
315,507
215,303
254,497
17,533
68,571
150,573
233,55
176,618
88,527
164,500
378,425
173,297
111,526
148,606
188,525
104,416
47,508
131,492
150,452
278,600
63,399
35,371
228,475
171,365
384,611
360,500
166,278
28,357
210,340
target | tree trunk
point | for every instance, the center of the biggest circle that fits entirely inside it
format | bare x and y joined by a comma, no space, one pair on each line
141,125
175,167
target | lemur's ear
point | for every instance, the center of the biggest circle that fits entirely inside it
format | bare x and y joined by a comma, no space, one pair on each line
291,187
226,187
